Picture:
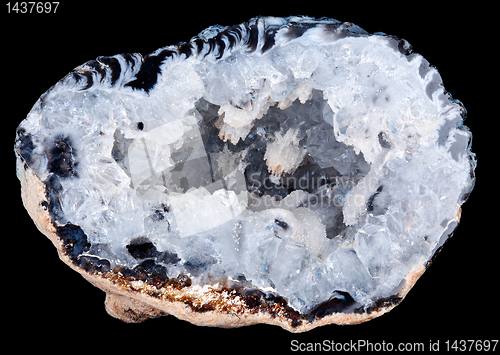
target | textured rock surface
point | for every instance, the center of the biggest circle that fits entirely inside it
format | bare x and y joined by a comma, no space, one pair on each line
288,171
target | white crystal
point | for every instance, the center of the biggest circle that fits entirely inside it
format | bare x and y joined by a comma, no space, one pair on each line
284,154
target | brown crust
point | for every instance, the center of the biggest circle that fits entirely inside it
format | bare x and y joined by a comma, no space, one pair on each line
136,301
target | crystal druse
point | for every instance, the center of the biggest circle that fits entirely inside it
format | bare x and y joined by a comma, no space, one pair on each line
298,168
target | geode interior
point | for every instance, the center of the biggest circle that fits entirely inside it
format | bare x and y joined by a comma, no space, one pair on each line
303,158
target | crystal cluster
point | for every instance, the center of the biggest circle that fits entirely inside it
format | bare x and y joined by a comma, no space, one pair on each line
304,158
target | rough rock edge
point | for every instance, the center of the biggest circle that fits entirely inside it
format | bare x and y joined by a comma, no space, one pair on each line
136,301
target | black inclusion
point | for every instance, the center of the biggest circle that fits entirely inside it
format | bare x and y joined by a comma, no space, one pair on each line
152,273
233,35
253,38
53,189
147,76
379,304
383,141
97,66
24,145
90,80
186,49
142,248
220,44
114,65
281,224
74,240
295,31
269,40
62,158
94,264
333,305
371,200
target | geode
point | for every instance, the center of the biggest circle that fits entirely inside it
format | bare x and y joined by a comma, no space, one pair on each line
291,171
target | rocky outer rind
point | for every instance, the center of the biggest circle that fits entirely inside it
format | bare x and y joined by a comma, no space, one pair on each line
216,305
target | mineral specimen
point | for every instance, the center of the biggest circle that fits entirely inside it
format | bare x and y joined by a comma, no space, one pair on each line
292,171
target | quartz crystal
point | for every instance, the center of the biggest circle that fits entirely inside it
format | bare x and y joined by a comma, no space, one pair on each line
294,171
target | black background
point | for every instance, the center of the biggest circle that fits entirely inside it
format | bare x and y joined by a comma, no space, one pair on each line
455,299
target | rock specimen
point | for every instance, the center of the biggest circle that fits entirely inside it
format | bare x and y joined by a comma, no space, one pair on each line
294,171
